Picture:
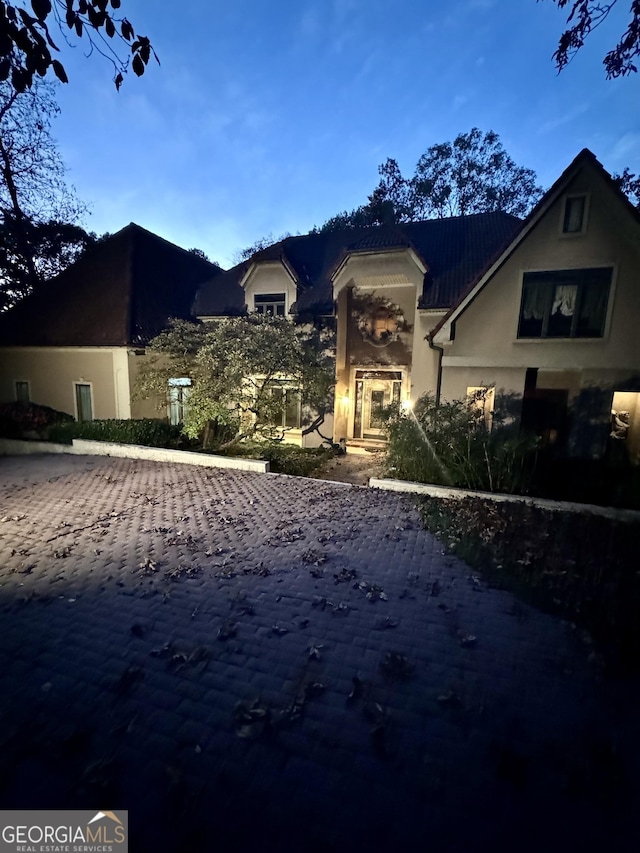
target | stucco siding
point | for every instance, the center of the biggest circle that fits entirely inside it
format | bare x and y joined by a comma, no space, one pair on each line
486,333
270,278
424,369
52,373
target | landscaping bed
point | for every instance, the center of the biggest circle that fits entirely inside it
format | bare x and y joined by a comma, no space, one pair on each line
579,566
283,458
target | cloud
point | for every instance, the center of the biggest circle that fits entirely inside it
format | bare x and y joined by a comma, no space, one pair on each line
625,149
559,121
310,25
459,101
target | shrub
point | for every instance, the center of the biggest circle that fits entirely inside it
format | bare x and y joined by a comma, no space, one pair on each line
454,444
16,419
148,432
284,458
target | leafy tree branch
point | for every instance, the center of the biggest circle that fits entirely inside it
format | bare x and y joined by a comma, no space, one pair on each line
584,17
28,48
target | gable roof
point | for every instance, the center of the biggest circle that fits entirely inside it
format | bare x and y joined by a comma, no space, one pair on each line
454,251
121,292
466,296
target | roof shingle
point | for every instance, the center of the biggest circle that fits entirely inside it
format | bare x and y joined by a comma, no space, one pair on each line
121,292
455,251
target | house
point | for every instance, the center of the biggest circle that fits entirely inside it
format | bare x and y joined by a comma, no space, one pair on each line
382,289
554,319
543,311
75,343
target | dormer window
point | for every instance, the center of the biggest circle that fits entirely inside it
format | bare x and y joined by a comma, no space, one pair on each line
270,303
574,220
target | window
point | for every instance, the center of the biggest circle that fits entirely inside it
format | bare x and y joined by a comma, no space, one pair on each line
574,214
84,405
565,303
22,391
285,411
179,390
270,303
481,398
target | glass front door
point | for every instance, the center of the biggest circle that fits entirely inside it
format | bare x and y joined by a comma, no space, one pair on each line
375,391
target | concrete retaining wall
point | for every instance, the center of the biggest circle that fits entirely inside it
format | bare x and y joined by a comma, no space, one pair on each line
82,447
17,447
449,493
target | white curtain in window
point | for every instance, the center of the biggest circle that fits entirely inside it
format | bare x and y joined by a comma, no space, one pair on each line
534,300
564,299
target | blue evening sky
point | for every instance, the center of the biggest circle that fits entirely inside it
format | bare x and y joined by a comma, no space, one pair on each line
268,116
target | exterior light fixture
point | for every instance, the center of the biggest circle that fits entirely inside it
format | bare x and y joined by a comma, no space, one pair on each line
406,405
345,400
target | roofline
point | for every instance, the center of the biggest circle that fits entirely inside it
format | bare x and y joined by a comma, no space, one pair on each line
169,243
382,250
551,195
282,260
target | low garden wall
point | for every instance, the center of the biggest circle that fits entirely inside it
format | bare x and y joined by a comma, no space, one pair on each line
450,493
83,447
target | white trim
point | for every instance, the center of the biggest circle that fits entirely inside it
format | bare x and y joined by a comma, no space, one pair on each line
53,349
255,265
405,390
121,384
477,361
453,361
376,253
75,383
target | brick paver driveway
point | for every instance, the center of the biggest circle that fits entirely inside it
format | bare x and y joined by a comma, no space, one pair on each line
268,663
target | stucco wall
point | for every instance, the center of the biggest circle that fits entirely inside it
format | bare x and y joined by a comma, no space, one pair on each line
486,333
52,373
424,368
270,278
486,349
398,277
147,408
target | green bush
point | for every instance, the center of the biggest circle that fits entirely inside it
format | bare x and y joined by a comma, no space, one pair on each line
452,444
283,458
16,419
148,432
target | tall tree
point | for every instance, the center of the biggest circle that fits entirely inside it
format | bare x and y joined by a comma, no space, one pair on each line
27,38
261,243
584,17
629,183
39,212
240,368
472,174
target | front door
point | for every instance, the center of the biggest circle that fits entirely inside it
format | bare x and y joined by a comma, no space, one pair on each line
375,391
